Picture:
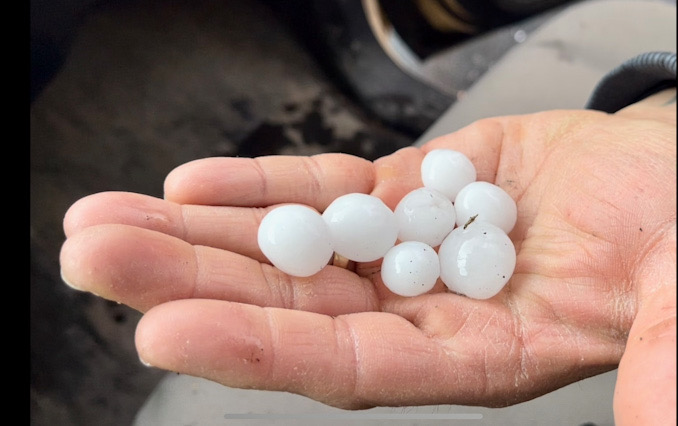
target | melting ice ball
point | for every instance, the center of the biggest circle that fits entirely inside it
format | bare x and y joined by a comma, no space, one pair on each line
488,203
295,239
410,268
362,228
477,261
447,171
425,215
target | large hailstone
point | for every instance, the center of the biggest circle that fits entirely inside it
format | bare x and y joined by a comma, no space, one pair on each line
295,239
477,260
425,215
362,228
447,171
486,202
410,268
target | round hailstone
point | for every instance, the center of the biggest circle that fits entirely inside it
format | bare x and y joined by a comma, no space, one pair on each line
410,268
447,171
477,261
295,239
425,215
488,203
362,228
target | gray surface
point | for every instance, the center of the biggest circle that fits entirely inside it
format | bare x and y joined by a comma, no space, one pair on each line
183,400
559,64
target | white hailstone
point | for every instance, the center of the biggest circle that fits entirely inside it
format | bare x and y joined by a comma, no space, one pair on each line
447,171
486,202
477,261
362,228
295,239
425,215
410,268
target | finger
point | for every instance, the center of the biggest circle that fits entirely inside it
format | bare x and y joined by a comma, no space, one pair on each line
264,181
228,228
397,174
143,268
124,208
352,361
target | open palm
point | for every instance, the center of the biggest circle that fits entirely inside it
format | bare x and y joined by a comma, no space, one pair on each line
596,205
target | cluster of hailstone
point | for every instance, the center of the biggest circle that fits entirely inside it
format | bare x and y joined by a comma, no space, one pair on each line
467,220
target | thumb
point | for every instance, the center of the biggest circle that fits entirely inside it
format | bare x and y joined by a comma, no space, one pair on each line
646,383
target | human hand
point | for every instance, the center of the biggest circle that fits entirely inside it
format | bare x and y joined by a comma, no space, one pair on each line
595,239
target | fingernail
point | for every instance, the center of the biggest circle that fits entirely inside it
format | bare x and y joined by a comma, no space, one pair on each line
68,283
147,364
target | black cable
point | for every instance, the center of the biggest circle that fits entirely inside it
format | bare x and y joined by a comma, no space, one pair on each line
634,80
